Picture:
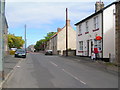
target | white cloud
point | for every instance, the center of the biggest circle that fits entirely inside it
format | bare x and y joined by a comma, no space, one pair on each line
37,12
54,0
45,16
43,13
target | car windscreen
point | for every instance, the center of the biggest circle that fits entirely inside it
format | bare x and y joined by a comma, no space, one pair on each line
20,50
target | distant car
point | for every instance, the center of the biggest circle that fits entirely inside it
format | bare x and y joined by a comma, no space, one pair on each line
20,53
27,51
13,49
48,52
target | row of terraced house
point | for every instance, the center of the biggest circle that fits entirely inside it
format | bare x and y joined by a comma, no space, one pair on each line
101,24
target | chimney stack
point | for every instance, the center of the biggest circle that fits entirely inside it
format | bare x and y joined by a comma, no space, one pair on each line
98,6
68,22
58,29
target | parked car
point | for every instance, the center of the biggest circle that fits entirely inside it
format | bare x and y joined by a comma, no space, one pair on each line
48,52
20,53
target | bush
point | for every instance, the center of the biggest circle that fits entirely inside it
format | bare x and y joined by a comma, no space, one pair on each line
12,52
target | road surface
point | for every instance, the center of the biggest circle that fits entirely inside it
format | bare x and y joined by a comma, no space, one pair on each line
44,71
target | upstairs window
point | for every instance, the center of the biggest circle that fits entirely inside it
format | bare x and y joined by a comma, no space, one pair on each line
96,24
80,30
87,26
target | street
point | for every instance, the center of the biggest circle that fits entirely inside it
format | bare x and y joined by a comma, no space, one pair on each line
45,71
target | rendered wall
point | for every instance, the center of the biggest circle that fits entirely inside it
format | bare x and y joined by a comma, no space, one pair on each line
89,36
109,32
61,40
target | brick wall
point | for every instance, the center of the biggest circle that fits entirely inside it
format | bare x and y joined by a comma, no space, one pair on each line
118,32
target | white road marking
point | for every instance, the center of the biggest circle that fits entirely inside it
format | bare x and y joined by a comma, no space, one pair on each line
73,76
77,60
18,66
52,56
53,63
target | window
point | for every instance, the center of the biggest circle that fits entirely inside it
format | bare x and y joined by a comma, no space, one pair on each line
80,31
96,24
98,44
81,45
87,26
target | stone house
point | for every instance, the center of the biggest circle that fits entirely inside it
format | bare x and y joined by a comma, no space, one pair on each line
57,42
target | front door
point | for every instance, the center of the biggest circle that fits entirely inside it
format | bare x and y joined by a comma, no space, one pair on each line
87,47
91,47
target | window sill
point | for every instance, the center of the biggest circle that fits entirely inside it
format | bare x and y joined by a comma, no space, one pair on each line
80,51
79,34
86,32
95,30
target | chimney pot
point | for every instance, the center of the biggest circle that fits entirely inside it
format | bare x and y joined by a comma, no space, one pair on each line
99,6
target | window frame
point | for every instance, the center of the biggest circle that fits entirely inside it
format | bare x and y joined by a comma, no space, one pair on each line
81,45
80,30
96,23
87,27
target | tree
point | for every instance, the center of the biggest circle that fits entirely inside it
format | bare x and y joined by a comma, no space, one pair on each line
41,44
15,41
49,35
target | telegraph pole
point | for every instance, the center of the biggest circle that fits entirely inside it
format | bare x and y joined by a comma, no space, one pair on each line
25,37
66,32
2,10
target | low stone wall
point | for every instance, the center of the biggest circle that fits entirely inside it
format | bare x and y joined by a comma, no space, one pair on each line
70,53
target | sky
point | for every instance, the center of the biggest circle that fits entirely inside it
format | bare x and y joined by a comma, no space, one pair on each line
43,16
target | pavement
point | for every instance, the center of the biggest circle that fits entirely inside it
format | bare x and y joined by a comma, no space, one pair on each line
101,65
9,64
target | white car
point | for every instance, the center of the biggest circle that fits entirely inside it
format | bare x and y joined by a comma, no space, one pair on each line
48,52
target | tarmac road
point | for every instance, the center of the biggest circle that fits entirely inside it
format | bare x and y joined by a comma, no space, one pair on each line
44,71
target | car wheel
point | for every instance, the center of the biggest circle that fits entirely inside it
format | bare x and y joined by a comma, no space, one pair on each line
24,57
15,56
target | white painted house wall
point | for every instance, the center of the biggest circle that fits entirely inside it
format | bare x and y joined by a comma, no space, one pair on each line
61,40
58,41
90,36
109,32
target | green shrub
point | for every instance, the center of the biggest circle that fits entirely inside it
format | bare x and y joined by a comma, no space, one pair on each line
12,52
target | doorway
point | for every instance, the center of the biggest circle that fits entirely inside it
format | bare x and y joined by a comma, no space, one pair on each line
88,48
91,47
